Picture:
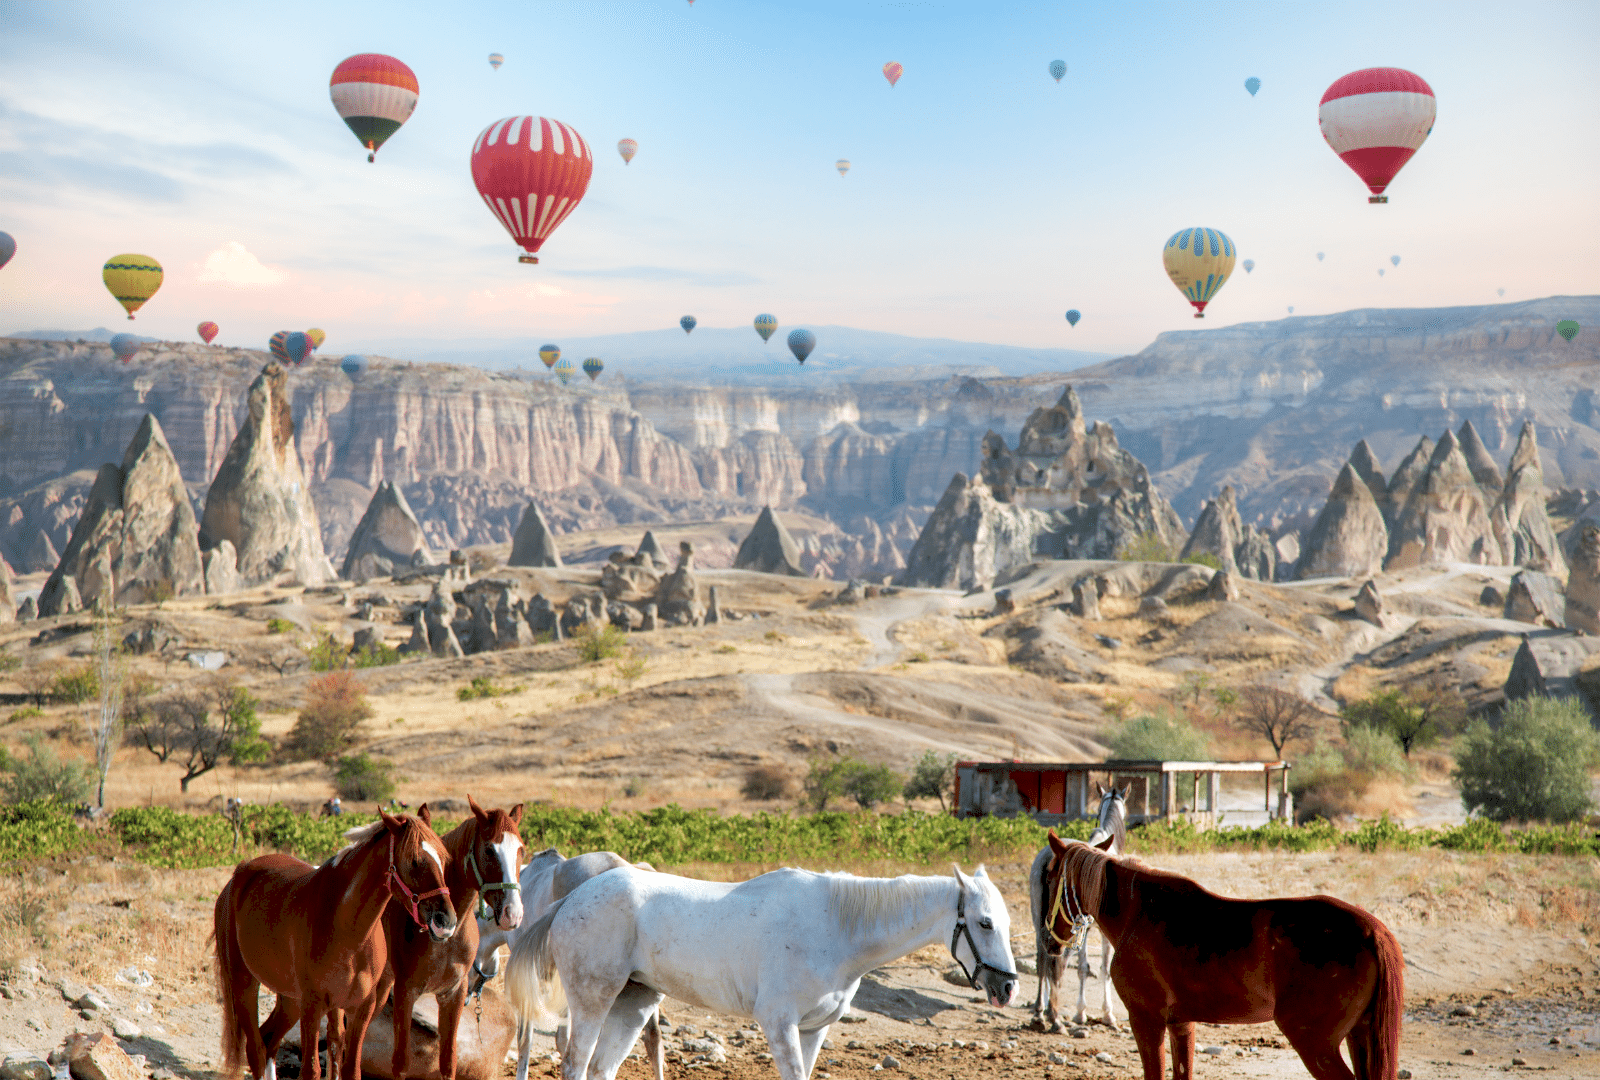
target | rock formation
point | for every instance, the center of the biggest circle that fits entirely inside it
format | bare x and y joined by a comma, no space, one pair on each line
1520,520
1482,466
630,579
1066,492
1535,598
1217,531
440,617
136,539
533,545
1369,603
1365,463
1583,578
769,548
41,555
1348,538
1256,555
8,600
221,568
650,548
1407,476
1086,600
259,500
1445,517
1222,587
678,598
387,538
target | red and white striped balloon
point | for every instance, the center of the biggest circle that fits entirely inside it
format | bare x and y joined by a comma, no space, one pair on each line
532,172
1375,119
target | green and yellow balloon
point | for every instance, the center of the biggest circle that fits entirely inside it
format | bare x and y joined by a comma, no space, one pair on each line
132,279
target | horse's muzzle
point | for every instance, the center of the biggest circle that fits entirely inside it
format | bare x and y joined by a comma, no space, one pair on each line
441,926
999,990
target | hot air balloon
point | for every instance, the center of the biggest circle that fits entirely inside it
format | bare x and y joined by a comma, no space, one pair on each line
1249,265
1502,292
495,60
627,148
1380,271
1058,69
207,331
688,322
8,247
1394,260
1568,329
1319,256
1375,119
276,346
563,370
132,279
354,365
549,354
765,325
843,165
892,71
1199,261
531,172
593,366
1073,316
125,345
297,346
1291,309
317,338
1252,84
373,94
801,342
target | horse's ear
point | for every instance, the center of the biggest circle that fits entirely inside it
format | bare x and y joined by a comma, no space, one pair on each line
961,879
1100,789
1105,845
1127,789
515,814
1057,845
477,811
390,822
425,815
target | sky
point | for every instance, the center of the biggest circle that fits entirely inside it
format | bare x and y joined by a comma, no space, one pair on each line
983,201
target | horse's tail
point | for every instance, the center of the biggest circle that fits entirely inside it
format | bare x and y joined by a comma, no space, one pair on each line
533,985
1384,1011
226,950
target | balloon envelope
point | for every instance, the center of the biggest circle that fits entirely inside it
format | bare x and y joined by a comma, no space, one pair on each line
843,165
1375,119
531,172
1380,271
1568,329
297,346
766,325
1291,309
563,369
125,345
374,94
8,247
892,71
1058,68
354,365
801,342
207,331
1073,316
593,366
1252,84
1319,256
132,279
1502,292
317,337
688,322
1199,261
549,354
495,60
1249,265
1394,260
627,148
276,346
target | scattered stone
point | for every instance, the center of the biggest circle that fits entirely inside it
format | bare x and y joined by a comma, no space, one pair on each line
1212,1050
366,637
1079,1032
1086,600
125,1029
1222,587
211,660
98,1057
1536,598
1153,607
1403,1074
1464,1010
1104,1058
1468,1052
1519,1061
135,977
1004,604
387,537
533,544
713,608
1109,642
1369,603
1491,597
24,1065
890,1062
1057,1058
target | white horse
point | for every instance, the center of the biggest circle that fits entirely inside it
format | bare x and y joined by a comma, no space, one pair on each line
545,880
1052,958
787,949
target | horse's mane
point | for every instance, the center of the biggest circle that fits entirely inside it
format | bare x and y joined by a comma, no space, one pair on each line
1085,868
860,903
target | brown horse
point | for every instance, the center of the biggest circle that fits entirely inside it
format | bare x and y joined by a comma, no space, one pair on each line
1324,970
312,936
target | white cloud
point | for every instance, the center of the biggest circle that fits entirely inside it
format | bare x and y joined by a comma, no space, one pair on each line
232,265
549,290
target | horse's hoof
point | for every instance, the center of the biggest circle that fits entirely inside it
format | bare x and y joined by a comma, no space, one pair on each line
1056,1028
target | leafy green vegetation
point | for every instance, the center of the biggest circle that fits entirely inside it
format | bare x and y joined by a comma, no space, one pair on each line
330,722
328,653
1146,547
932,777
1159,736
483,687
1534,766
280,626
76,685
1412,718
376,654
596,643
1204,558
43,775
27,712
363,778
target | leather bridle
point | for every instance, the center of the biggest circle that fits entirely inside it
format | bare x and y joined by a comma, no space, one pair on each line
407,899
963,929
1072,908
487,887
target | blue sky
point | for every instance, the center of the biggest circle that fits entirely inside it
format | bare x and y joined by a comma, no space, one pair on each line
984,199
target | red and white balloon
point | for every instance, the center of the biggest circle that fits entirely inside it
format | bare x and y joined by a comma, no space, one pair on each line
532,172
1375,119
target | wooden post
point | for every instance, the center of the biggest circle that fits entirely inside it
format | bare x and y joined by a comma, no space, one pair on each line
1213,790
1168,794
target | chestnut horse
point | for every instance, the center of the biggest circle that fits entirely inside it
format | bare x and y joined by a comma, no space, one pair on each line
312,935
1325,971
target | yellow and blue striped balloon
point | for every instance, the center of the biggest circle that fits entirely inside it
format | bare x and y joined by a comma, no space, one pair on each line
132,279
766,325
1199,261
563,369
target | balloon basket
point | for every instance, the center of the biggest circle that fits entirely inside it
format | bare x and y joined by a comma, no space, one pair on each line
1199,314
527,258
371,158
1378,199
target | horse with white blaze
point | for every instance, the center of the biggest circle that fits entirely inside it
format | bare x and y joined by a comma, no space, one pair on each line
787,949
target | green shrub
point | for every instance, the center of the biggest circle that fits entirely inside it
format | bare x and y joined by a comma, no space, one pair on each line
328,653
1159,736
376,654
931,777
9,662
363,778
763,783
27,712
870,785
330,721
39,829
1413,718
280,626
1534,766
76,685
43,775
630,668
596,642
1204,558
1146,547
483,687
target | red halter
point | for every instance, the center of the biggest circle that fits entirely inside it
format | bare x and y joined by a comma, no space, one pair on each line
408,899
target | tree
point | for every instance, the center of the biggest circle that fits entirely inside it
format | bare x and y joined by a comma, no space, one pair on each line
111,676
330,721
366,778
43,775
824,781
1159,737
931,776
37,680
1275,714
1534,766
1413,718
870,785
201,729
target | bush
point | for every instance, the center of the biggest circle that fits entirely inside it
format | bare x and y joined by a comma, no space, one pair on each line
43,775
27,712
1204,558
483,687
596,643
376,654
1534,766
39,829
763,783
1146,547
1329,781
1159,737
76,686
931,777
280,626
630,668
328,654
1412,718
364,778
330,722
867,784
